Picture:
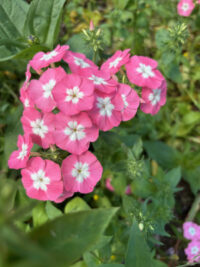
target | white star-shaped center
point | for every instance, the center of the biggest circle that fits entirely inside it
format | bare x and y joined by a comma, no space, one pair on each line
80,171
115,62
97,80
74,95
105,106
39,128
80,62
47,88
145,70
40,181
155,96
75,131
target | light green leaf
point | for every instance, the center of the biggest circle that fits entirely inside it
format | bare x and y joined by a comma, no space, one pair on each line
39,215
76,204
51,211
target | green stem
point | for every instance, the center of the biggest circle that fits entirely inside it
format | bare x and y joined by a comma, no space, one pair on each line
12,93
194,209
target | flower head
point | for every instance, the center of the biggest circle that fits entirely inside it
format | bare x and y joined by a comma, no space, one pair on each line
74,94
114,63
18,159
40,91
42,179
43,60
185,7
193,251
142,72
39,126
81,173
153,99
74,133
191,231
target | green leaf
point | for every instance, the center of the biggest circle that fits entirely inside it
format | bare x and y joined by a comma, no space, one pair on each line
192,177
165,155
75,233
112,265
39,215
138,253
76,204
43,21
51,211
13,15
162,38
82,46
173,177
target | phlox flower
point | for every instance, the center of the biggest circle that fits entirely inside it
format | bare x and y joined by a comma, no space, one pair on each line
18,159
25,99
185,7
106,112
74,94
109,186
43,60
114,63
142,72
191,231
153,99
81,173
74,133
40,91
39,126
42,179
102,80
193,251
131,101
78,61
64,196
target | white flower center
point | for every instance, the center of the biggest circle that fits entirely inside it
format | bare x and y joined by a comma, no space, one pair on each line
48,87
23,152
145,70
39,128
124,100
40,181
48,56
26,103
80,62
74,95
155,96
75,131
105,106
192,231
115,62
185,6
97,80
194,250
80,171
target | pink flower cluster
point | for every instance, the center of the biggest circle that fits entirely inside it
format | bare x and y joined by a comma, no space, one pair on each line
191,231
185,7
67,110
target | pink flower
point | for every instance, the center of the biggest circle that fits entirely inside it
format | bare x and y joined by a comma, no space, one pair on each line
142,72
42,179
25,99
102,81
191,230
81,173
154,99
106,112
74,94
40,91
185,7
109,186
131,101
78,61
193,251
18,159
43,60
64,196
39,126
128,190
28,76
74,133
114,63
